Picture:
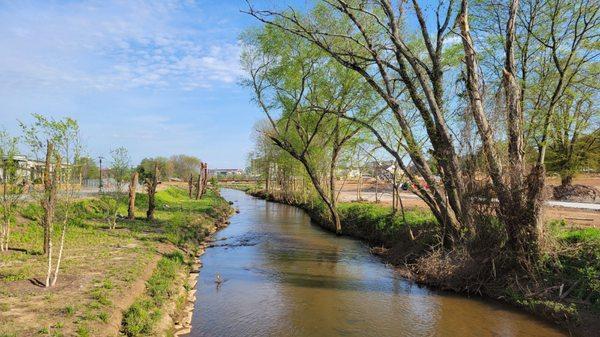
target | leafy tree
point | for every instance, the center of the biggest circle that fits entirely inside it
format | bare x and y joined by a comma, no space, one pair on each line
14,182
165,167
184,166
60,139
570,148
119,170
303,95
150,174
89,168
411,70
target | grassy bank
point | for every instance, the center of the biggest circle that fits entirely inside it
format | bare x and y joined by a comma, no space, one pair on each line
104,273
565,288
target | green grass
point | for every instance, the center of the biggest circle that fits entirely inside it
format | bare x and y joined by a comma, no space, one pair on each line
381,217
142,316
179,220
120,256
377,223
589,235
575,262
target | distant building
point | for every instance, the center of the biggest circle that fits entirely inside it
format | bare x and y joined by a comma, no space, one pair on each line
225,172
27,169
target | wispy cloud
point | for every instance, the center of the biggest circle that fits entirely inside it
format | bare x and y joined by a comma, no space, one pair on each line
107,45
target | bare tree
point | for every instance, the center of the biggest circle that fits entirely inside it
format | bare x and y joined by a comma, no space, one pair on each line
204,182
151,181
198,189
132,191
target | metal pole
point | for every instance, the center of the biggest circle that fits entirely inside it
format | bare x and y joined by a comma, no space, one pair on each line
100,185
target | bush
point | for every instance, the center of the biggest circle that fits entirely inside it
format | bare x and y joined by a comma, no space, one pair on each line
139,319
32,211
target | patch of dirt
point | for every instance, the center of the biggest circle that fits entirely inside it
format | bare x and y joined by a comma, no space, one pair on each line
576,193
572,216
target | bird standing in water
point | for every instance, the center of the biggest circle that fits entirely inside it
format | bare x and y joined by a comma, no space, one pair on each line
218,280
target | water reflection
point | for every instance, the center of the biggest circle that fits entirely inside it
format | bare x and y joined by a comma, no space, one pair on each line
284,277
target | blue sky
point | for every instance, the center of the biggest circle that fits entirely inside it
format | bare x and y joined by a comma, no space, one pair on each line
158,77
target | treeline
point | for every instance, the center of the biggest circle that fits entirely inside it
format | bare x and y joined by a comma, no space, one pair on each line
469,100
51,176
179,166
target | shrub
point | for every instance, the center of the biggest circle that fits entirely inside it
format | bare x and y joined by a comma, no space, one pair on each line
139,319
32,211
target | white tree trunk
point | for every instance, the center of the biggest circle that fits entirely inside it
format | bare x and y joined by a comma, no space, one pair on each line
60,251
49,272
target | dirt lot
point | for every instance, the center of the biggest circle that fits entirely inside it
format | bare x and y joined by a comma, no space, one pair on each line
575,217
583,179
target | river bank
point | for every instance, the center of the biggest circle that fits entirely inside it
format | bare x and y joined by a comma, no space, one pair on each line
133,279
565,290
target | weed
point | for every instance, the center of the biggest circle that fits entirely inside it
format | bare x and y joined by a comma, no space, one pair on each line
139,319
83,331
107,284
101,296
103,317
69,310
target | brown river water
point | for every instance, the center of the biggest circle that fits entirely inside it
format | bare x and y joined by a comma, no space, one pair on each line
283,276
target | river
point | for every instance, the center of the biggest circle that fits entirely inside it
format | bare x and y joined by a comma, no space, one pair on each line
282,276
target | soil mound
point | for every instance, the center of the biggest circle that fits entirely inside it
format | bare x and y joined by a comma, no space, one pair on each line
576,193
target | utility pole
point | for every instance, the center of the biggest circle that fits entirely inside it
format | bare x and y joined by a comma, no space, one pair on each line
100,185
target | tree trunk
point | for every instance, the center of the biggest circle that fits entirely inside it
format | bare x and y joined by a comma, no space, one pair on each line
376,187
49,199
153,184
190,185
359,186
49,271
198,184
403,213
50,190
333,208
519,208
268,177
6,235
60,252
132,190
204,179
5,211
324,196
566,180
